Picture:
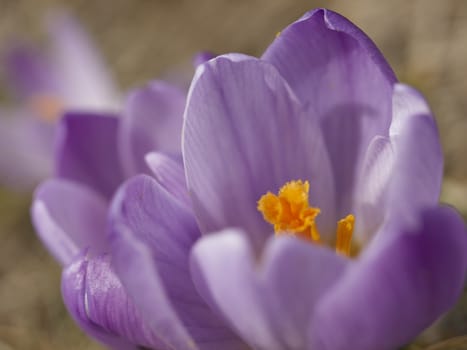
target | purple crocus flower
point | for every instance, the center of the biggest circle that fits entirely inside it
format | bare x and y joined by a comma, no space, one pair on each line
306,215
70,75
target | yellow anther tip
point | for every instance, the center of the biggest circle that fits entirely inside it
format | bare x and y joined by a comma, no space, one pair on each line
269,206
47,107
345,228
290,211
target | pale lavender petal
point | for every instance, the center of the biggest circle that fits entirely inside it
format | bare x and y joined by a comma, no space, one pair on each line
222,270
135,266
418,167
87,151
153,232
168,172
152,121
245,134
407,102
25,149
372,188
99,304
159,220
270,302
396,290
84,79
335,68
298,274
202,57
69,217
29,73
408,161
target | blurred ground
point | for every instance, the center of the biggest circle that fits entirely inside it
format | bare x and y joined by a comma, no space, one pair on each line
425,41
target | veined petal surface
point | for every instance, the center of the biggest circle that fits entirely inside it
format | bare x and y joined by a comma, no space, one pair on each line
337,70
396,288
97,301
401,173
245,134
152,237
69,217
269,302
152,120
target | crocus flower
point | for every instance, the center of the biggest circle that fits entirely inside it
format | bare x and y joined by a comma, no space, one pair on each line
70,75
306,215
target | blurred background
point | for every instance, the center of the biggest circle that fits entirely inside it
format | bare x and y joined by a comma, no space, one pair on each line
425,41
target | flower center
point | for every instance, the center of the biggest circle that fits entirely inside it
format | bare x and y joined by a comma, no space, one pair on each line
290,213
47,107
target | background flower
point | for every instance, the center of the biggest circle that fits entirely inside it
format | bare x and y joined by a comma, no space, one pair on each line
70,75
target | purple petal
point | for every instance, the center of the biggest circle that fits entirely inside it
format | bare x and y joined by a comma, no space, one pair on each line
152,121
84,78
30,74
396,290
244,135
202,57
418,167
25,149
134,265
222,270
269,303
335,68
69,217
152,237
372,187
169,173
408,161
87,151
99,304
159,220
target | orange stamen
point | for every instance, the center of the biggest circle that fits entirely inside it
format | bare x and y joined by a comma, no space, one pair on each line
48,107
344,235
290,213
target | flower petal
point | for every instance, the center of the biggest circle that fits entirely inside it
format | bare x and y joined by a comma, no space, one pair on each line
87,151
418,167
152,121
410,160
99,304
335,68
269,303
322,44
84,78
152,237
29,73
244,135
202,57
25,149
396,289
156,217
372,188
69,217
169,173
